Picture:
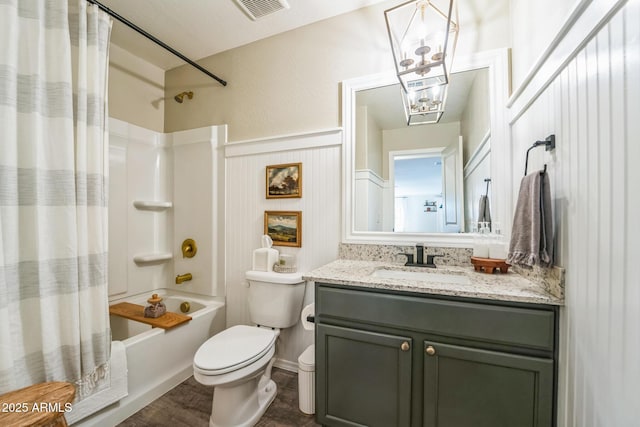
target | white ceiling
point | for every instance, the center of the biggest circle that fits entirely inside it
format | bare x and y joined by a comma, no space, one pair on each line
201,28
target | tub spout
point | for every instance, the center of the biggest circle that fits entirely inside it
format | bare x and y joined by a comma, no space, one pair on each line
183,278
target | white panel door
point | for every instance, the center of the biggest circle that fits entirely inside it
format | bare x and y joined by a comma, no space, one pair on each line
452,188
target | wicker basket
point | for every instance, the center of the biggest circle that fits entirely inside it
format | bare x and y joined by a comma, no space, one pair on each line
284,269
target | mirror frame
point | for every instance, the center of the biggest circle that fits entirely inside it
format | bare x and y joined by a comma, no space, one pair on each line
497,61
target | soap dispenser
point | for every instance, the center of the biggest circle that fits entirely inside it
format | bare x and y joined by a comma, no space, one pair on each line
498,247
266,256
480,243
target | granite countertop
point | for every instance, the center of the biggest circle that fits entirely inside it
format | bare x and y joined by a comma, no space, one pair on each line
466,282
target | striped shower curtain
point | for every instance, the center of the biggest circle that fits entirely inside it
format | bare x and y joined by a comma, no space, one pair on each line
54,321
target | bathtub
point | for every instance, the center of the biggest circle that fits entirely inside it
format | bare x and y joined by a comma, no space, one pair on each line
158,359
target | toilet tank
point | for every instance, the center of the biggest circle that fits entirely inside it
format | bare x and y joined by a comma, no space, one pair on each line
275,299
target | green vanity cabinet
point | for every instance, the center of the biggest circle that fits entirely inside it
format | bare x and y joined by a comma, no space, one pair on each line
386,358
474,387
374,389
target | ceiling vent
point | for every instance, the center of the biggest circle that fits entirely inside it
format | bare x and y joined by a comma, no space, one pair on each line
256,9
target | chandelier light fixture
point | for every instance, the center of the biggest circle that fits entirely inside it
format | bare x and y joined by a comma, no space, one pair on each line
424,105
423,36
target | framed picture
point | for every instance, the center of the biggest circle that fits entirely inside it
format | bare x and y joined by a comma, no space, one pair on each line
284,181
284,227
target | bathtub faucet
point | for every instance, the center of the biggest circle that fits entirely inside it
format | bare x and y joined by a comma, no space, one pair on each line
183,278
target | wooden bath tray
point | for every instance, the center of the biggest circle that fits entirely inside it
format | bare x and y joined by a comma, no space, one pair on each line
489,265
136,312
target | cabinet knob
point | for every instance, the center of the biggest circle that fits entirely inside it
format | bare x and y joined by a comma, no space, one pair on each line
404,346
430,350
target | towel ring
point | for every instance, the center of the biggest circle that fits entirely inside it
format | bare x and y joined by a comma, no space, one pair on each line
549,144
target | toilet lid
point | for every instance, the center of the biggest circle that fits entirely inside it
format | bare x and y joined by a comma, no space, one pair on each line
234,348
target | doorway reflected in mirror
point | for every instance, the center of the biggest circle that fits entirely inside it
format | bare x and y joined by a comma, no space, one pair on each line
418,192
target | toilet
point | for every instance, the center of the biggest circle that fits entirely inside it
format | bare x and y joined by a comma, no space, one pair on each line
237,362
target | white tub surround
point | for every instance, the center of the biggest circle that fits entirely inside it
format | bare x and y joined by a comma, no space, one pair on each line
198,206
140,209
165,188
450,281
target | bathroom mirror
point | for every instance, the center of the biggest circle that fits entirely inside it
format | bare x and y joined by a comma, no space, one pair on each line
422,183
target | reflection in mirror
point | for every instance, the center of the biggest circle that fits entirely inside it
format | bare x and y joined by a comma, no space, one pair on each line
412,178
473,145
417,188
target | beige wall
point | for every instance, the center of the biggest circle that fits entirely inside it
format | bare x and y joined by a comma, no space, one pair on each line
475,120
368,142
290,82
136,90
362,126
374,147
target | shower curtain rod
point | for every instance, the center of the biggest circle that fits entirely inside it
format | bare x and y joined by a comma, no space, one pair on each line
133,26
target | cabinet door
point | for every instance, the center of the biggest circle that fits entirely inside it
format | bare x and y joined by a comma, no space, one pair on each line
362,378
469,387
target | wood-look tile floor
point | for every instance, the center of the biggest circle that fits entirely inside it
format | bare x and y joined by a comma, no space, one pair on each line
189,404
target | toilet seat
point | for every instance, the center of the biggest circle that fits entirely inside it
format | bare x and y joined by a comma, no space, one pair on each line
233,349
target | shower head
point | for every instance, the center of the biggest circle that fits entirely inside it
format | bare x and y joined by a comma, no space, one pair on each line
180,97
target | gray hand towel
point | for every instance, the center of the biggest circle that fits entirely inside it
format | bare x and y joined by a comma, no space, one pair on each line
532,231
484,210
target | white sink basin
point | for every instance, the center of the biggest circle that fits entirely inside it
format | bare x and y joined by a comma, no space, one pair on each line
426,276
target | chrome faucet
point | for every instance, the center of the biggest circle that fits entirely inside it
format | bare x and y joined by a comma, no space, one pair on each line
183,278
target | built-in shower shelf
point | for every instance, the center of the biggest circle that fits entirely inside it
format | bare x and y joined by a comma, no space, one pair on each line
152,205
152,257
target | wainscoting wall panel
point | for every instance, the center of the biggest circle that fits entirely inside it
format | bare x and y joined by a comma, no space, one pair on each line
592,106
320,204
